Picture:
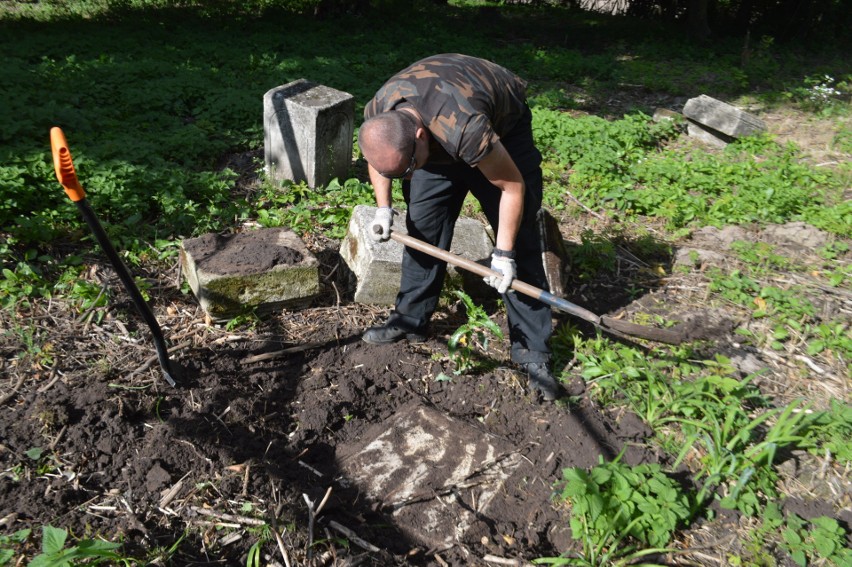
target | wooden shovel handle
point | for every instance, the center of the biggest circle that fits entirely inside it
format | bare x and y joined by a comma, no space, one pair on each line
609,324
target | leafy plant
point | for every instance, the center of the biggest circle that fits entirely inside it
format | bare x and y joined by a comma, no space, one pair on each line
595,256
56,554
738,451
617,511
308,210
831,429
820,539
818,93
760,256
10,543
471,337
253,559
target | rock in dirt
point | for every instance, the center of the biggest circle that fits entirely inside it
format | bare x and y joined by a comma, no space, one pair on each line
796,235
698,258
712,238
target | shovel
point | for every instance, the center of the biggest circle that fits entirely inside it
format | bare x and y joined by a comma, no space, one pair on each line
608,324
67,177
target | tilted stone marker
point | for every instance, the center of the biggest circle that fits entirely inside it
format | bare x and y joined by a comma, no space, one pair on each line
377,266
717,122
435,474
260,270
307,132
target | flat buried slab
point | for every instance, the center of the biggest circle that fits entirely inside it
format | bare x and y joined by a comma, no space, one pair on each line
433,473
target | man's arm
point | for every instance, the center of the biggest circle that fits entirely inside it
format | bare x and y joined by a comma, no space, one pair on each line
499,168
381,187
380,227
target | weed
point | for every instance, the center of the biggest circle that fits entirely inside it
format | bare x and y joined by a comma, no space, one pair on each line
562,343
738,450
309,210
764,300
760,256
818,93
820,539
830,430
254,554
9,545
246,321
617,511
92,552
35,350
23,281
594,256
472,336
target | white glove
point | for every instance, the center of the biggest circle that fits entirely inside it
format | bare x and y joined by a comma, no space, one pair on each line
380,229
505,266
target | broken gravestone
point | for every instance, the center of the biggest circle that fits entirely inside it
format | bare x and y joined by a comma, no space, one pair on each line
718,123
377,266
307,132
260,270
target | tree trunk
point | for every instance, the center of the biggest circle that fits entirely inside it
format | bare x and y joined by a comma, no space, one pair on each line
696,18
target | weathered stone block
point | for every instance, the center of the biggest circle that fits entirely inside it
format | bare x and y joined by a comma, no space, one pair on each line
708,136
308,132
377,266
722,117
662,114
260,270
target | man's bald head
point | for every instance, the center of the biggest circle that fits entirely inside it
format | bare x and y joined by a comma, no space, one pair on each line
387,138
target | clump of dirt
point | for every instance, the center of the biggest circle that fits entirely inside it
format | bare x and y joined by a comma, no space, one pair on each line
227,254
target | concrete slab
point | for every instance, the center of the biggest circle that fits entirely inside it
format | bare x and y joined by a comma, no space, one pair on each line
434,474
377,267
260,270
707,135
719,116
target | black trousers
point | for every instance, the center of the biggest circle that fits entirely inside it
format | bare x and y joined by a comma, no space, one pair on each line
435,195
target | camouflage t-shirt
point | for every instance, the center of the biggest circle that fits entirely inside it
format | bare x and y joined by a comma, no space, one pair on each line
466,103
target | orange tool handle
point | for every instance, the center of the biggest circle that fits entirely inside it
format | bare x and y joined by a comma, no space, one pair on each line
64,166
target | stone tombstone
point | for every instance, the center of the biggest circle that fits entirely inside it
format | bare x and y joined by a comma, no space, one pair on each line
719,123
307,132
258,270
377,266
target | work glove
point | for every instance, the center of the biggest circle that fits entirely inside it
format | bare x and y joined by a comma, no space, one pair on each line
506,267
380,228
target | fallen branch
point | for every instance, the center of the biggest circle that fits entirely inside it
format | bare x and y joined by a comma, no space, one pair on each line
585,208
54,376
227,517
173,492
504,561
351,536
280,541
272,561
312,515
154,358
8,396
279,353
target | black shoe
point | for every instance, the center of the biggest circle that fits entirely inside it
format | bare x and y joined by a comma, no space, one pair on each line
542,381
386,334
